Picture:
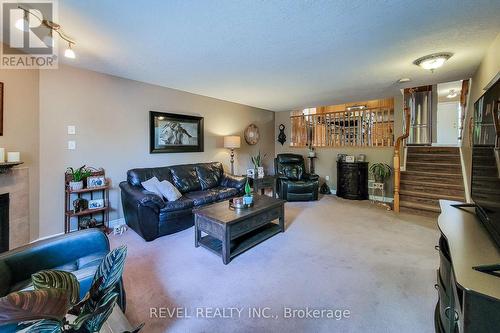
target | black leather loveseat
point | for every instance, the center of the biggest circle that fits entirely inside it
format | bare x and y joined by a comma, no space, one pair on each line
294,183
200,184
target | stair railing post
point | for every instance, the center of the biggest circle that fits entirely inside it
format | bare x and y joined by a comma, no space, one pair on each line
397,158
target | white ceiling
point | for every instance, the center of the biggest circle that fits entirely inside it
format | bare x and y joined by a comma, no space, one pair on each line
280,55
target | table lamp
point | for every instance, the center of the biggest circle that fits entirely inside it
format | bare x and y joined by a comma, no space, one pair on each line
231,142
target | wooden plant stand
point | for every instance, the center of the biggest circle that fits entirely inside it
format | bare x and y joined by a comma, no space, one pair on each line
101,192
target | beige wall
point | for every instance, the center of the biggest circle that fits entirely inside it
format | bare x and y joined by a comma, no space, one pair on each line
489,67
111,116
325,164
20,130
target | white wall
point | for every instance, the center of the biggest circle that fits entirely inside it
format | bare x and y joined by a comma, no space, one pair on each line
447,123
111,116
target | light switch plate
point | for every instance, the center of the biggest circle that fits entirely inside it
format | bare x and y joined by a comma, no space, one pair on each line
71,129
71,145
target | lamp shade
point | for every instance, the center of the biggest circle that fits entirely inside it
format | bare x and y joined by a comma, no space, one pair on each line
232,141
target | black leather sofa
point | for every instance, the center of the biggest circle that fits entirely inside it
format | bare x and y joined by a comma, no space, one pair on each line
294,183
200,184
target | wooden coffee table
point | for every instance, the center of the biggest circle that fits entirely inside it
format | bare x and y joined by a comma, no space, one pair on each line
231,232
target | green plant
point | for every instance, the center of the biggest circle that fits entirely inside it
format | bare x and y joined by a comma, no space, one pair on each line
257,160
248,190
55,295
79,174
380,171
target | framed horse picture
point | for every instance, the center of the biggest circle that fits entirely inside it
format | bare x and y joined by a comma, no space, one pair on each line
175,133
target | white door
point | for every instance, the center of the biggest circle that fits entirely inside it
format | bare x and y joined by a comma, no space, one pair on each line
447,123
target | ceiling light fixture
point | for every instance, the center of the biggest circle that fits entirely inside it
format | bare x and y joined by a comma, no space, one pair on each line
69,53
433,61
23,24
452,94
404,80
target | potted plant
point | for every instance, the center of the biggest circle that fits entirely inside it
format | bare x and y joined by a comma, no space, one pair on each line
248,197
380,172
257,163
77,177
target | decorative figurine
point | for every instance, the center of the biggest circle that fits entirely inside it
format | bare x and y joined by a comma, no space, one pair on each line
87,222
282,135
80,204
248,197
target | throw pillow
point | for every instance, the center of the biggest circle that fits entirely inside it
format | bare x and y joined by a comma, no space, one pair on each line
151,185
169,191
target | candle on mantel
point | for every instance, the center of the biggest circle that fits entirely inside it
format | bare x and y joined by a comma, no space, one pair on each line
2,155
14,156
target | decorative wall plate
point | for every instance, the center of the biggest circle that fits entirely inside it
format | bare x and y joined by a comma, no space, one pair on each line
252,135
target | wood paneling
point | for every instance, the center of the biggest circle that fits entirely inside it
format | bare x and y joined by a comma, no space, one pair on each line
338,125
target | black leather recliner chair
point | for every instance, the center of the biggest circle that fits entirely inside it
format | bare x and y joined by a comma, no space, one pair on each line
294,183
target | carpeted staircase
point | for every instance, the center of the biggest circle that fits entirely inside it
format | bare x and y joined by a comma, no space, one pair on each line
432,173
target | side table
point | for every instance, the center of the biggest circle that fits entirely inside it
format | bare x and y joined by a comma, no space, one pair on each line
259,184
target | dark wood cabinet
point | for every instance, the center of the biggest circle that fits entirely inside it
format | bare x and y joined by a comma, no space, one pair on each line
468,300
352,180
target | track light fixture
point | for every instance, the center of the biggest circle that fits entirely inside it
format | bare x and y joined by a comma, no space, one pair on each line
69,53
23,25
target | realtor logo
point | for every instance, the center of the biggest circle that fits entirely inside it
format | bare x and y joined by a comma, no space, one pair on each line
28,42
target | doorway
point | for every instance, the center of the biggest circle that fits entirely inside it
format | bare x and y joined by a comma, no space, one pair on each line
435,114
448,113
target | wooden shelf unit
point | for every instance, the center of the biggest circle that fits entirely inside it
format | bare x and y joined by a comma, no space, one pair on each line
71,213
88,194
86,190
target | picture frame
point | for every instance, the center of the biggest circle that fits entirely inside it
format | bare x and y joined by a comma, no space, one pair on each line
96,181
250,173
96,203
175,133
260,172
350,159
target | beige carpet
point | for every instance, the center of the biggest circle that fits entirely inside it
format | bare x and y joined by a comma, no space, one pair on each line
335,255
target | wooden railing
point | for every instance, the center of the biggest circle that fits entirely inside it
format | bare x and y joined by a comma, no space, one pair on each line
464,93
370,127
397,158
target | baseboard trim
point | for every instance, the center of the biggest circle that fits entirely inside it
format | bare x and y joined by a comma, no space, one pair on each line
372,197
112,224
116,223
381,199
46,237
